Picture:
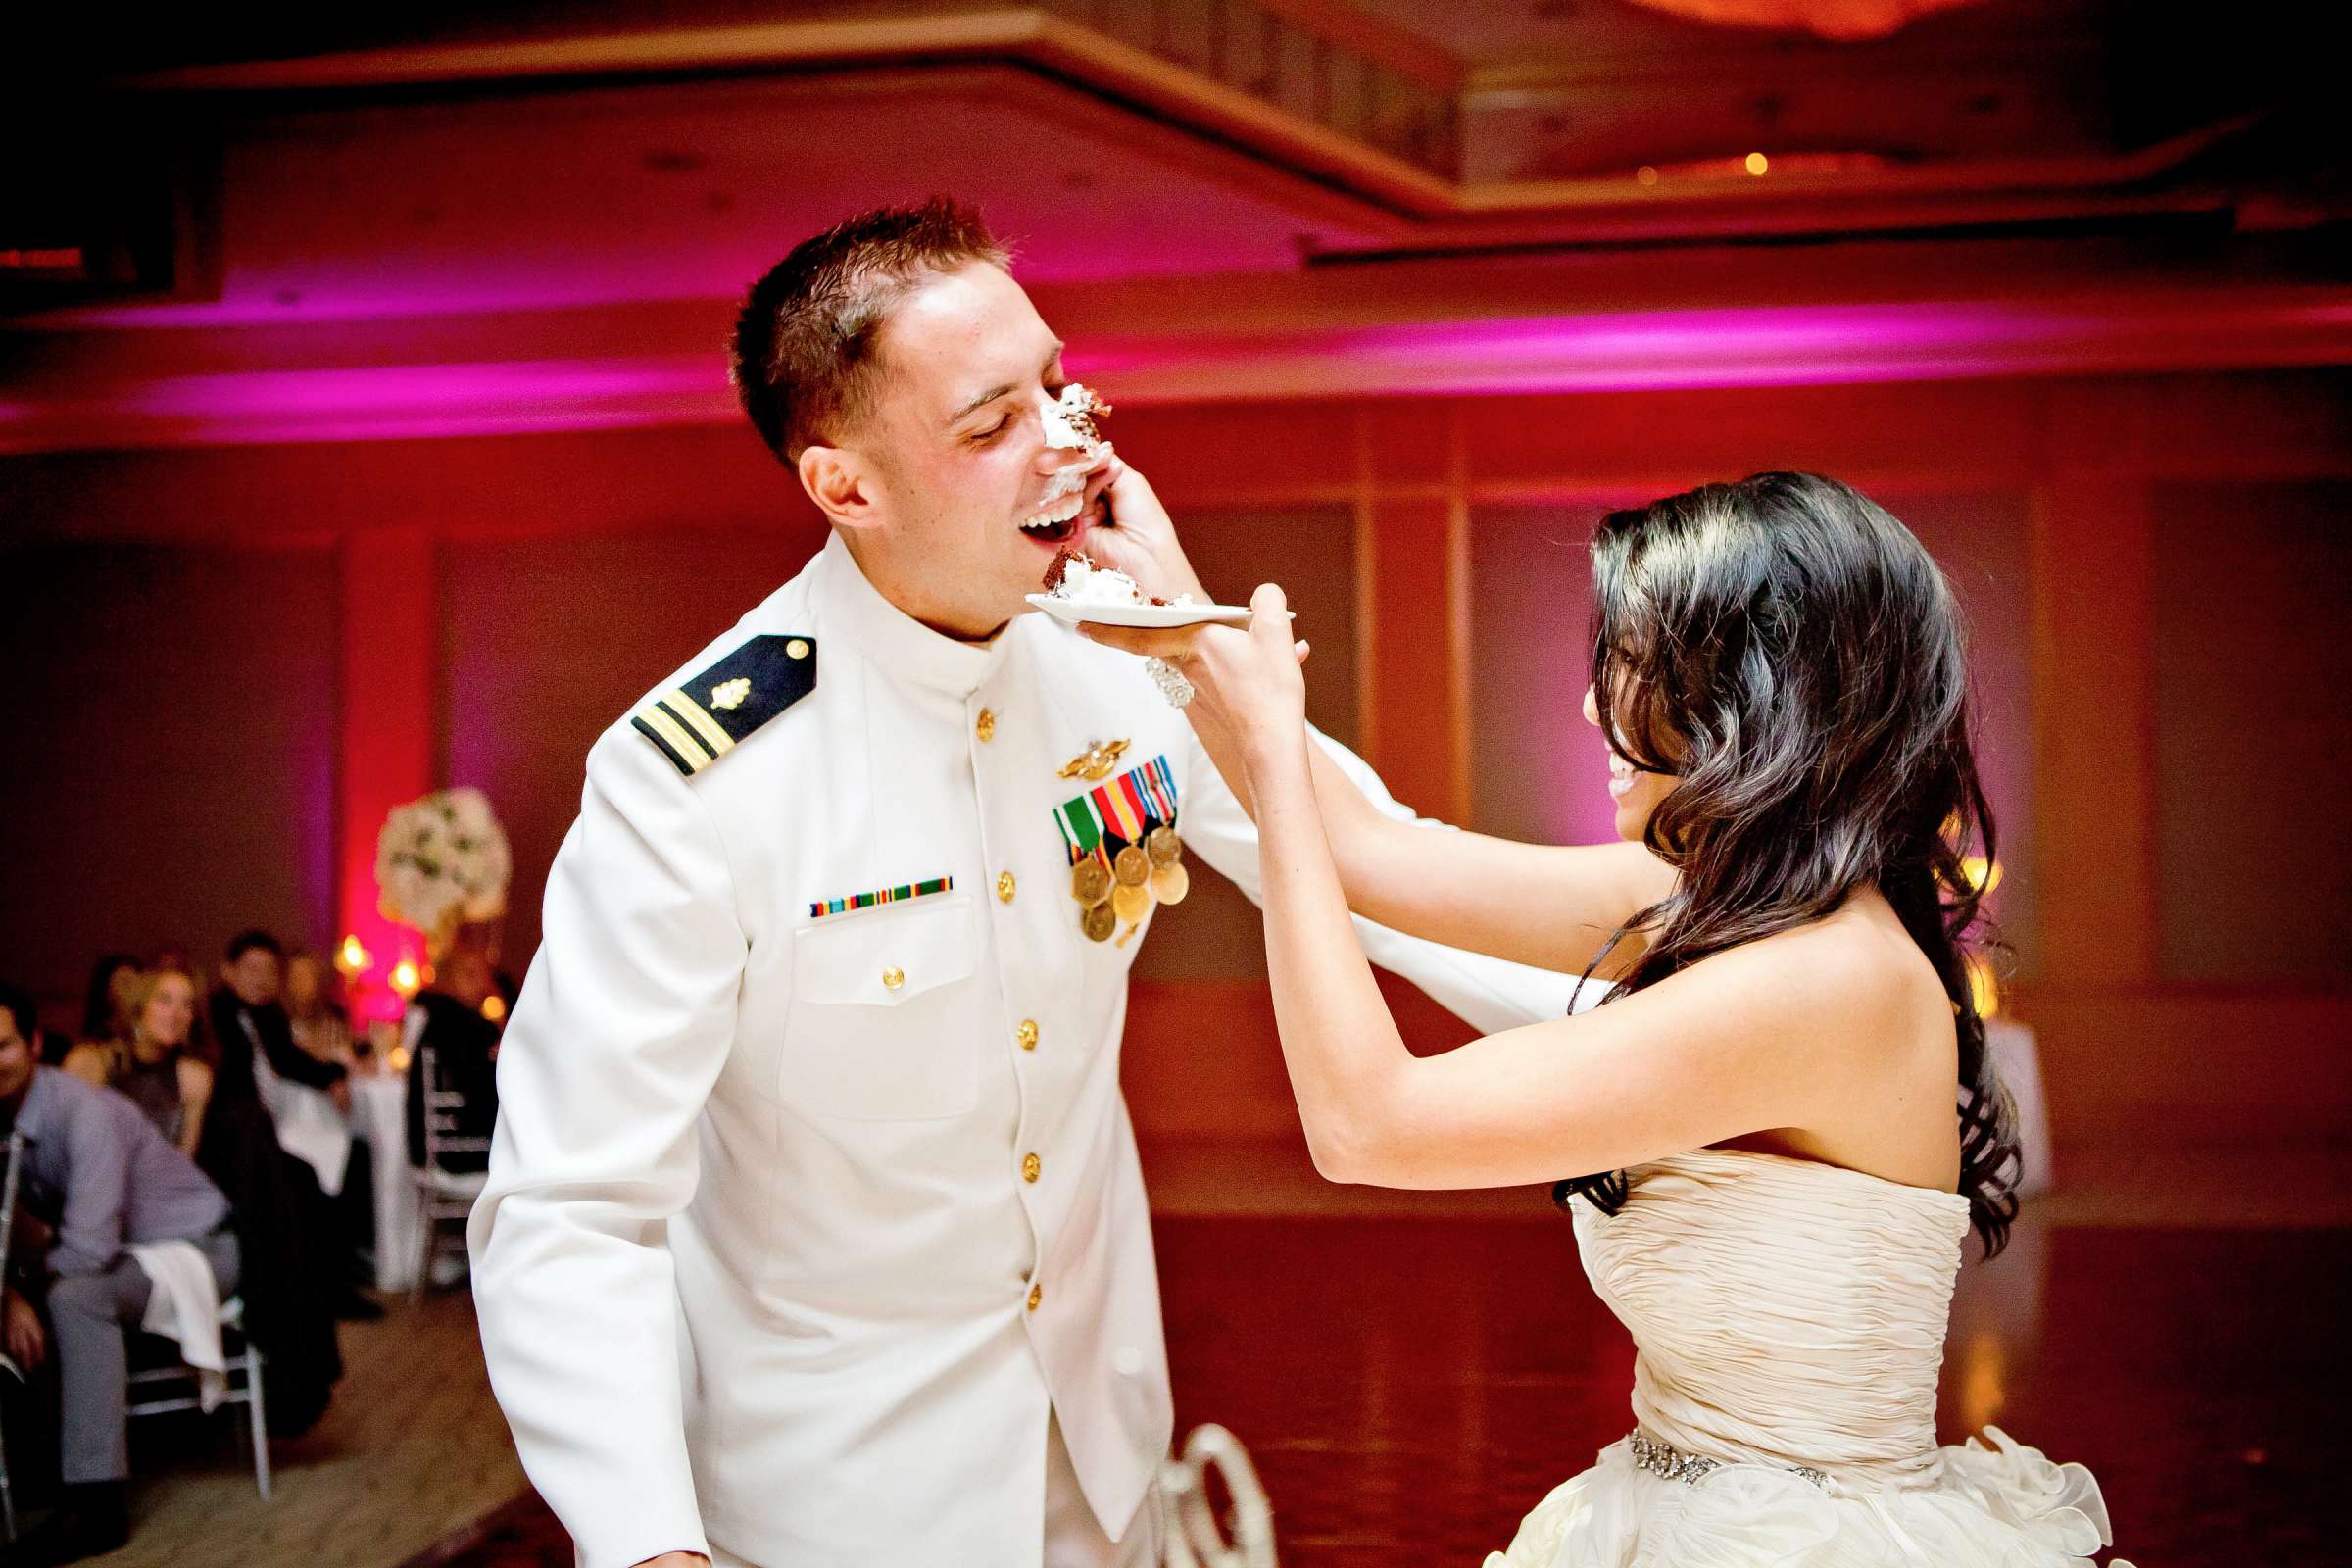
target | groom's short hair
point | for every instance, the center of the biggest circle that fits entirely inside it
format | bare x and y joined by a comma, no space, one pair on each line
803,359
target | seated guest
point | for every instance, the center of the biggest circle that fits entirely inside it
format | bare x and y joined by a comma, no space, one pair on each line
144,1053
98,1000
464,1043
304,1104
294,1285
323,1029
248,1019
319,1023
309,1098
98,1189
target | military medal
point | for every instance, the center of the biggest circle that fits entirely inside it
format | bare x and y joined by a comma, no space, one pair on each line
1125,855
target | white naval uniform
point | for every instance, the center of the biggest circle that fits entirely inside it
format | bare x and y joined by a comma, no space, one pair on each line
762,1267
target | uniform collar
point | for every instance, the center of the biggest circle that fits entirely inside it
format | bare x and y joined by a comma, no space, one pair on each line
902,645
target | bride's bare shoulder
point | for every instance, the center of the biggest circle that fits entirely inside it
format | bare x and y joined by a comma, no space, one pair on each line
1853,977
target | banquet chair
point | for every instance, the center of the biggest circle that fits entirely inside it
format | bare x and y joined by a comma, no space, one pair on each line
1194,1537
443,1196
7,1367
175,1382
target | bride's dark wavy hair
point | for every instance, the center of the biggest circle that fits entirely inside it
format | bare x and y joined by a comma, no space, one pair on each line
1795,655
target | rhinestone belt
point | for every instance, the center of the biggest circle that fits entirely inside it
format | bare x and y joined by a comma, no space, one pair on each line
1671,1464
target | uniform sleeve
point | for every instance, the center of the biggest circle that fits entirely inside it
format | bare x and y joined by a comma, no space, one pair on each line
621,1032
1488,994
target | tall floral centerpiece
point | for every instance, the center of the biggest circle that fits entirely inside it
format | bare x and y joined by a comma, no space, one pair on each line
441,862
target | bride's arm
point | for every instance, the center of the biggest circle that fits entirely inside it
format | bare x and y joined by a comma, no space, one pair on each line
1745,1041
1550,905
1545,906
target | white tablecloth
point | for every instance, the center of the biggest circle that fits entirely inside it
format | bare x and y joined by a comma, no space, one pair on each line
379,1113
2017,1057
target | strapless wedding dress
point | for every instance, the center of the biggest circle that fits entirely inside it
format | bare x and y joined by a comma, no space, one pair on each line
1789,1321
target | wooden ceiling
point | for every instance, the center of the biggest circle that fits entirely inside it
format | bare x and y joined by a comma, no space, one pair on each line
1223,186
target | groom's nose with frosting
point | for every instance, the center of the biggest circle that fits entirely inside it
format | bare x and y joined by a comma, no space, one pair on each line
1052,460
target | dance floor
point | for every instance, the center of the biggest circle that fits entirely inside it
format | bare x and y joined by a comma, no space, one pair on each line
1410,1384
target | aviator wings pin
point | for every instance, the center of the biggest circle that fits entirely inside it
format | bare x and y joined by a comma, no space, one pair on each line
1096,763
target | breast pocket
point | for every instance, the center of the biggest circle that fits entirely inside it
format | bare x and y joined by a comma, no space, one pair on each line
880,1027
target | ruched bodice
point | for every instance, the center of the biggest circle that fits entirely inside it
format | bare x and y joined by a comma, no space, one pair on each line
1789,1318
1783,1309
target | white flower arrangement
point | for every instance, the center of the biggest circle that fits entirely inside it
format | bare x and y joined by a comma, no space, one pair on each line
440,860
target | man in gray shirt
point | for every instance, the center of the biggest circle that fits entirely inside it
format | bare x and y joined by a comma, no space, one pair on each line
94,1178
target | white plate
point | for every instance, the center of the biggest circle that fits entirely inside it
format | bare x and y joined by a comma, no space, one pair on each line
1154,617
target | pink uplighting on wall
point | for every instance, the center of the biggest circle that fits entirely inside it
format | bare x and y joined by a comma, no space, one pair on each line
430,400
387,669
1625,351
1673,350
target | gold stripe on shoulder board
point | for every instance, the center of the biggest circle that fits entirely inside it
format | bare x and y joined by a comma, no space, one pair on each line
705,725
696,756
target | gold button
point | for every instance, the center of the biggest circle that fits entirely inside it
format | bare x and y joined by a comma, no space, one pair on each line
1005,887
1037,1293
1027,1034
1031,1166
986,725
893,977
796,648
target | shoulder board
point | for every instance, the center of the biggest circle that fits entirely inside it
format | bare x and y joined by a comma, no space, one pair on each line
697,722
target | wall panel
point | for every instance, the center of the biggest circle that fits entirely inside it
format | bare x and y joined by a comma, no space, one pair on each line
171,777
1214,934
2253,701
546,642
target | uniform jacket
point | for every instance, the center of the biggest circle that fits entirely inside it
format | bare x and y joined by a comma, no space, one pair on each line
801,1210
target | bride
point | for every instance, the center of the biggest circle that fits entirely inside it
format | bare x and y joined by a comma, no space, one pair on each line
1779,1125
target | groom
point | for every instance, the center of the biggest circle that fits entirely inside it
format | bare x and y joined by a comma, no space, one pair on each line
814,1233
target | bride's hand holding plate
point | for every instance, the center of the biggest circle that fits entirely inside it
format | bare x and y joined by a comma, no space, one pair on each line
1244,681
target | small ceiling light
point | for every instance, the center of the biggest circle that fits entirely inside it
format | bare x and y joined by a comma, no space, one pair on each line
1758,163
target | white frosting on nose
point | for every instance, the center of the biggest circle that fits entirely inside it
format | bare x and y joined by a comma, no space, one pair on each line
1069,420
1069,427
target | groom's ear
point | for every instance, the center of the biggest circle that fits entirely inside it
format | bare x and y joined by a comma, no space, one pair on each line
841,485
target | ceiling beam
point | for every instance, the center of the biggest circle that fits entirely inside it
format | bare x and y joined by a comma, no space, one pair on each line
1875,195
